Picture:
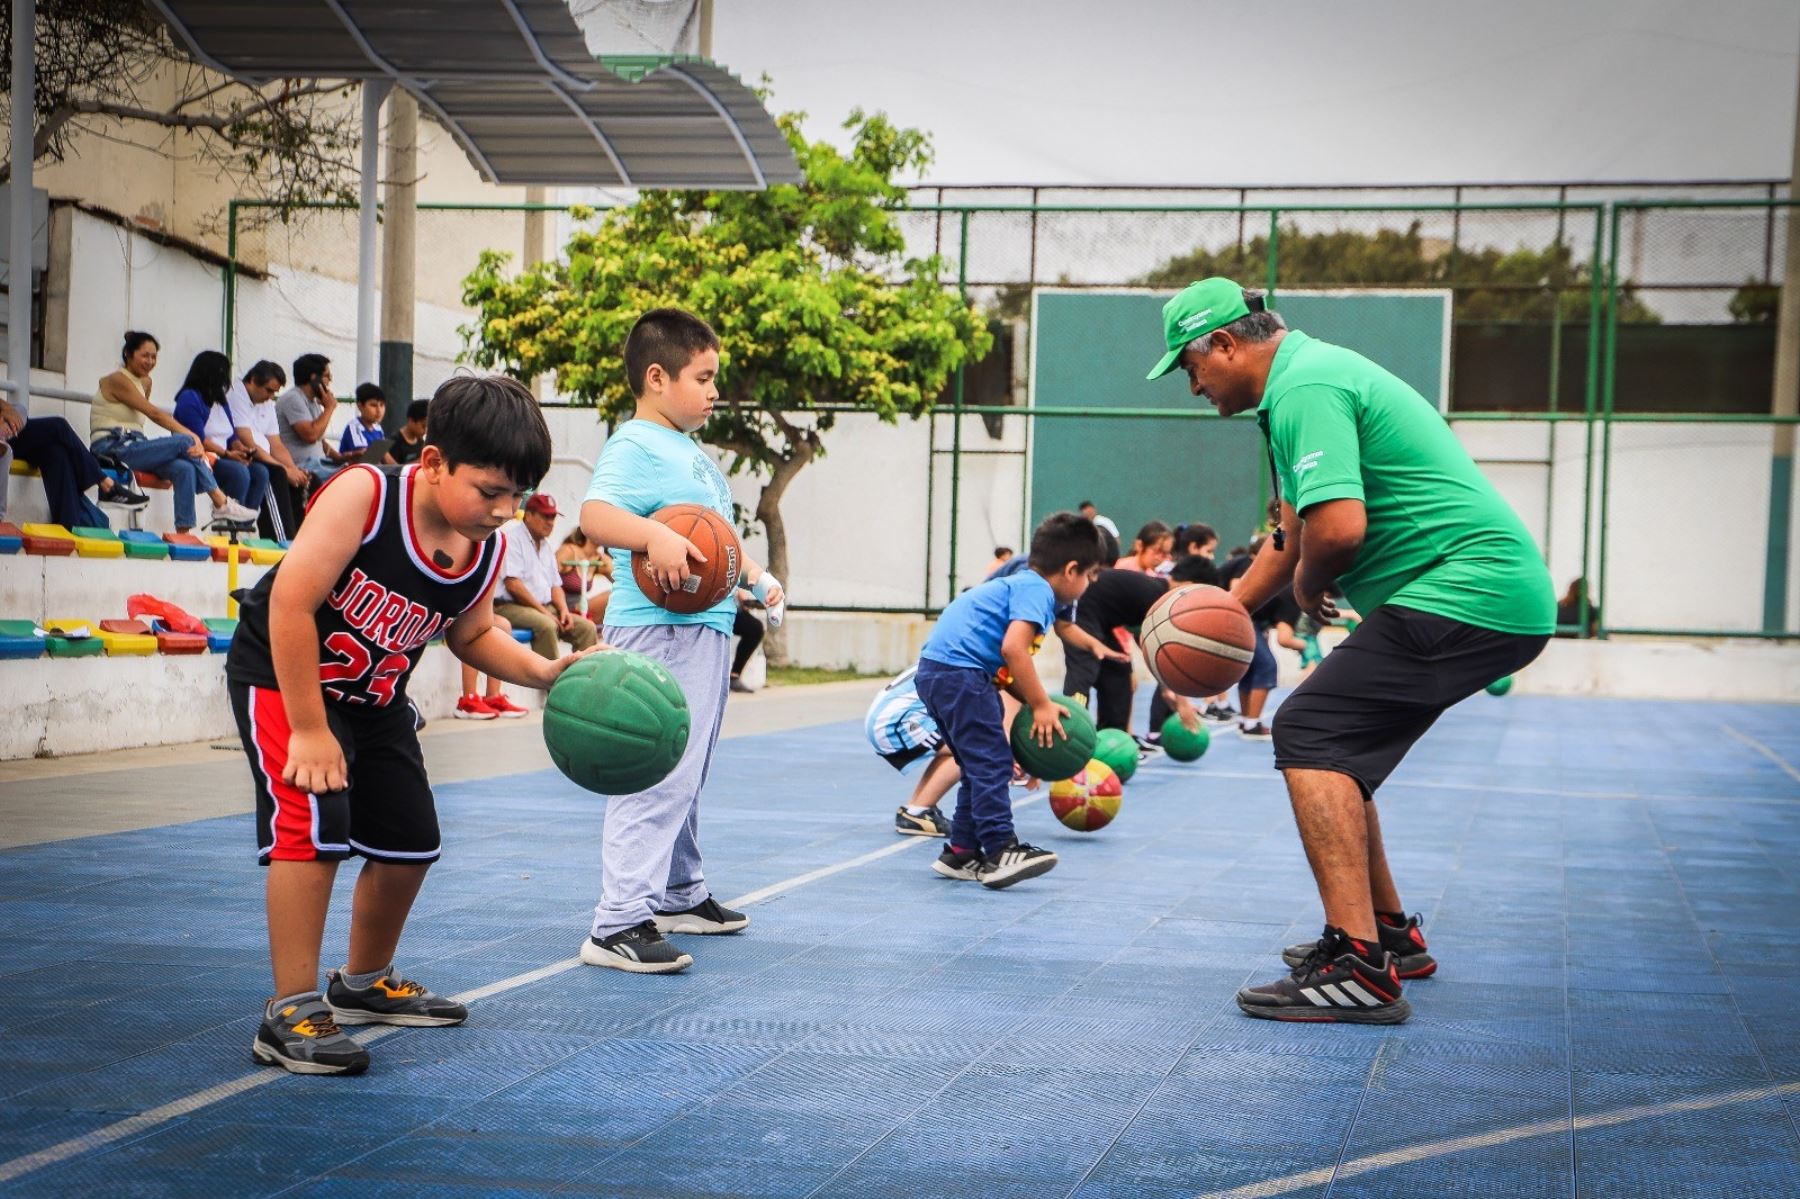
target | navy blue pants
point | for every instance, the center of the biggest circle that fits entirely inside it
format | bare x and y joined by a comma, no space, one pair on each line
48,443
966,706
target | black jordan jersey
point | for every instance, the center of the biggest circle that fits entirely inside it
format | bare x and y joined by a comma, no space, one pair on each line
391,600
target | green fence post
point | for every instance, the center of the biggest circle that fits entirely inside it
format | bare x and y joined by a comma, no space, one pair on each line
930,480
962,289
1589,394
231,220
1609,386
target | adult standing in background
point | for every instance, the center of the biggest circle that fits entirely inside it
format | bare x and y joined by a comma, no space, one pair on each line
1377,495
304,412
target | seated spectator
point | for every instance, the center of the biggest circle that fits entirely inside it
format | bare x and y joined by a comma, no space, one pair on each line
304,412
365,430
67,467
472,705
409,442
250,404
200,407
586,570
1196,541
116,429
533,585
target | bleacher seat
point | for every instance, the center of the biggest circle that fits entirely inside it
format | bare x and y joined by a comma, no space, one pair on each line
264,552
145,482
185,547
64,643
12,539
127,638
93,541
20,639
53,541
139,544
219,631
522,636
168,641
221,548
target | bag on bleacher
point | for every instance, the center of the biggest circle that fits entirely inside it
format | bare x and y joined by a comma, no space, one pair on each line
174,619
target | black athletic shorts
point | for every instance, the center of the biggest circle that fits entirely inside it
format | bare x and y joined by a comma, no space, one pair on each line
1084,672
1374,695
386,813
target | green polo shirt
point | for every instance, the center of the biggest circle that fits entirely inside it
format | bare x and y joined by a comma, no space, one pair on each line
1440,538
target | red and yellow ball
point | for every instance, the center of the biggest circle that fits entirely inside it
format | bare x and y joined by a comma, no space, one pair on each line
1090,800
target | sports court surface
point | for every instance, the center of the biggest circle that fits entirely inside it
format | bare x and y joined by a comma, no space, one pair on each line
1613,889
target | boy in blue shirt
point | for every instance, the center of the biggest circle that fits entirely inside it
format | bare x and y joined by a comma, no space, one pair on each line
651,881
365,430
983,642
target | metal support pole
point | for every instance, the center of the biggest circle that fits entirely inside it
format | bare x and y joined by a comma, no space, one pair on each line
706,28
962,289
1785,402
18,252
231,258
1608,388
373,93
399,261
1589,393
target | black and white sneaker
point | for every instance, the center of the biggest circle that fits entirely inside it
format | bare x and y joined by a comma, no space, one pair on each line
302,1038
1146,746
1219,714
1254,732
963,865
1346,982
1014,864
1405,941
391,999
707,918
929,823
639,949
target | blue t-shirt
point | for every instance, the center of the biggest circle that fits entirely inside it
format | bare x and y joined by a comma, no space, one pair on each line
645,466
971,629
356,438
190,410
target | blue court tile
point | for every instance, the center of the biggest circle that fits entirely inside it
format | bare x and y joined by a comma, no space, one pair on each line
464,1062
1634,1139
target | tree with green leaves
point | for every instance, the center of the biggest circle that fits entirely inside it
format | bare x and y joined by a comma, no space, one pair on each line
1523,284
808,286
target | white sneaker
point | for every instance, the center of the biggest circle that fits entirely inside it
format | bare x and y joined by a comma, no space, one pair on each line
234,512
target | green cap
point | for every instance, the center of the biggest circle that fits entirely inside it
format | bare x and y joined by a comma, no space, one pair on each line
1197,310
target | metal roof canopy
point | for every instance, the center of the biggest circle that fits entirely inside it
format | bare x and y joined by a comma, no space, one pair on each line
513,82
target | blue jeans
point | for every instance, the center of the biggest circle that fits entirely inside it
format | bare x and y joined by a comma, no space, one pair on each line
245,483
966,705
166,458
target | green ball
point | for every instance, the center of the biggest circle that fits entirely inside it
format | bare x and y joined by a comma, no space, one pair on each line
1182,745
1116,748
616,722
1500,686
1067,755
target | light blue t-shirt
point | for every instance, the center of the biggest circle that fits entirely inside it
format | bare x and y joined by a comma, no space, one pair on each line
645,466
971,629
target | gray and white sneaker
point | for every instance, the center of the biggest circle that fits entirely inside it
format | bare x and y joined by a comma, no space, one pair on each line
639,949
391,999
233,513
707,918
1014,864
302,1038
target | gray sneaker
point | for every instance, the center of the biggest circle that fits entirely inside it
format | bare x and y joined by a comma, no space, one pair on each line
302,1038
391,999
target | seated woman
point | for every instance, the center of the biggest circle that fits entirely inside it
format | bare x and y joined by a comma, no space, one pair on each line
68,469
116,428
575,552
200,407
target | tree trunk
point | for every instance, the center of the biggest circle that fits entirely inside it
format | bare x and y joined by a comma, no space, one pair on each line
768,511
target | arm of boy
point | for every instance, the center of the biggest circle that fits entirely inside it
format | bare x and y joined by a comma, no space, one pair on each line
322,549
1190,715
668,551
476,639
765,588
1015,651
1073,634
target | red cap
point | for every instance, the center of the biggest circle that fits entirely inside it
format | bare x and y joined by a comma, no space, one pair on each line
543,503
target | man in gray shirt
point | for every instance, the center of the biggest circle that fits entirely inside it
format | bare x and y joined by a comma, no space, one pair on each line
304,412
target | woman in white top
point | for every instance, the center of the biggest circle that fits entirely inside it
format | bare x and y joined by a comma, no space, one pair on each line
116,429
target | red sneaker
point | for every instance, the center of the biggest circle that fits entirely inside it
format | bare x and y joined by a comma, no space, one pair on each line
504,708
473,707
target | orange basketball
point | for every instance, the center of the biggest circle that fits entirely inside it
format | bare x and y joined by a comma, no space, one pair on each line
1198,640
712,580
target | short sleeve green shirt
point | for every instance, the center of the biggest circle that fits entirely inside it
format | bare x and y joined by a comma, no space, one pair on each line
1440,537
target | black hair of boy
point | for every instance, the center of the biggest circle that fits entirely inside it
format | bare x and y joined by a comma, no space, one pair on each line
1062,538
668,337
494,421
1196,534
308,368
370,391
416,411
264,372
1195,569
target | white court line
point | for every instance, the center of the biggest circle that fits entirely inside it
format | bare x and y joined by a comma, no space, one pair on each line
187,1104
1398,1157
1764,750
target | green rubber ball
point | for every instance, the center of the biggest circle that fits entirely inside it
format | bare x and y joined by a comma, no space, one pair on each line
616,723
1500,686
1182,744
1119,751
1067,755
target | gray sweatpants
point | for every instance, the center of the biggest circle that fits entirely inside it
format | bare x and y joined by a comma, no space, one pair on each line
650,846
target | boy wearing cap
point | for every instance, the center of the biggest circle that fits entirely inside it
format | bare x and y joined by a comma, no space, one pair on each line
1379,498
531,583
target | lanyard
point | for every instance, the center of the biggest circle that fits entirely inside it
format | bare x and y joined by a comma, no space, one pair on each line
1280,534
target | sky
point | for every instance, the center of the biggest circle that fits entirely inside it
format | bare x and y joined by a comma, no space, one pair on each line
1209,93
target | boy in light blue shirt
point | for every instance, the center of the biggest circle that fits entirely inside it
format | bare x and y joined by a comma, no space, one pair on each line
651,880
984,642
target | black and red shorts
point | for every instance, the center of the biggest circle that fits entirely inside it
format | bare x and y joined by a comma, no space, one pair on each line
386,813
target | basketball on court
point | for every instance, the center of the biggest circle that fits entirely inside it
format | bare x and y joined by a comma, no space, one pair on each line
1183,744
1066,755
616,723
1500,686
711,581
1116,748
1198,640
1090,800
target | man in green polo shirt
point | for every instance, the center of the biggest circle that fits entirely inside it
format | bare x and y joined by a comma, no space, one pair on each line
1378,496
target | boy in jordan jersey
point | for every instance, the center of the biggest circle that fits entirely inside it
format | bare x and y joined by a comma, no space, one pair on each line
388,559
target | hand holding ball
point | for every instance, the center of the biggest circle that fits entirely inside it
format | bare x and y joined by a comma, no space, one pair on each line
707,583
